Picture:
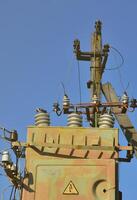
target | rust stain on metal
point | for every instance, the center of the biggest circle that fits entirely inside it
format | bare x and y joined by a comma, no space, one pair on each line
53,174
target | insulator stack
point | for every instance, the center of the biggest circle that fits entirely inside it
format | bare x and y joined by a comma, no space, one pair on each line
42,118
125,98
56,107
14,135
66,101
74,120
13,169
6,157
95,99
106,121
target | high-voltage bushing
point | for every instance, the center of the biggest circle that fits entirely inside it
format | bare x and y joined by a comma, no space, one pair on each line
42,118
106,121
74,120
125,98
66,101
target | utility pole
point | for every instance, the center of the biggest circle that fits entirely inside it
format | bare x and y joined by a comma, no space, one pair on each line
98,58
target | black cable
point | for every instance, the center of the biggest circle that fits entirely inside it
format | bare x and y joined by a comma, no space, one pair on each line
15,193
63,86
5,130
5,150
127,86
109,93
2,175
79,82
3,138
3,191
121,81
122,60
17,161
11,192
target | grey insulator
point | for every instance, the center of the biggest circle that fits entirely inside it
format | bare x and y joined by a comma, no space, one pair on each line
6,157
74,120
106,121
42,119
125,98
66,101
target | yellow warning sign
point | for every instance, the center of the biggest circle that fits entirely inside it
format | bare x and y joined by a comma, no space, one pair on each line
71,189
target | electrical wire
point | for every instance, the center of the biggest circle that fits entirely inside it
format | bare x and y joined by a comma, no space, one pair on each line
109,92
3,191
122,59
79,82
130,88
121,81
17,162
67,80
3,175
94,65
11,192
3,138
4,129
5,150
124,88
15,192
63,86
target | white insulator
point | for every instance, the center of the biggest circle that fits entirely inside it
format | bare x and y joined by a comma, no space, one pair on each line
106,121
66,101
42,119
125,98
95,99
74,120
5,157
13,167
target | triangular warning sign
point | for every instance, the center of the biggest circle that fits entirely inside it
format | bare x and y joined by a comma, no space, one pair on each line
71,189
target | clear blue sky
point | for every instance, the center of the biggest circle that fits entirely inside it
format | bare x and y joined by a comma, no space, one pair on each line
36,54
